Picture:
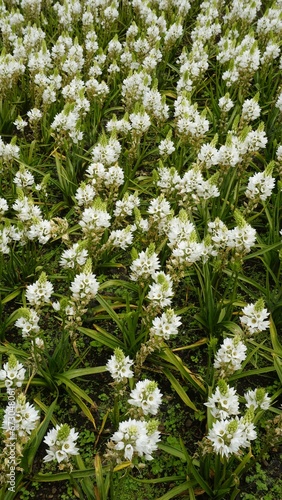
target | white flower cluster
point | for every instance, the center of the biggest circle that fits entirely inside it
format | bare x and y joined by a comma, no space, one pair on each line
62,444
136,438
84,287
230,356
166,325
119,366
147,396
28,322
24,415
74,256
38,294
228,434
13,372
146,265
260,186
160,292
254,318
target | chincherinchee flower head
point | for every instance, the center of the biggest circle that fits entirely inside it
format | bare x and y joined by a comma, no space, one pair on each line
261,184
146,396
160,292
230,356
95,219
136,438
165,325
28,322
145,265
250,109
25,418
224,402
74,256
62,444
254,318
13,372
228,436
242,237
257,398
23,178
40,292
85,286
119,366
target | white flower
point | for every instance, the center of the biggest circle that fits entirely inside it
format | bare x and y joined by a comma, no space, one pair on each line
228,436
159,209
255,317
160,292
230,355
13,372
250,110
23,178
23,415
62,443
166,325
119,365
257,398
279,102
126,206
28,322
166,147
85,194
122,238
41,229
146,264
40,292
136,437
84,286
73,256
208,155
279,153
20,124
225,103
34,115
242,238
260,186
140,122
147,396
94,219
224,402
3,206
107,153
168,179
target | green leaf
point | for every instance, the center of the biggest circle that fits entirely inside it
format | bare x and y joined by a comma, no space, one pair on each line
278,366
100,482
11,296
112,314
192,469
274,338
263,250
102,336
171,450
232,327
176,362
82,372
86,482
62,476
177,490
33,445
75,388
83,407
179,389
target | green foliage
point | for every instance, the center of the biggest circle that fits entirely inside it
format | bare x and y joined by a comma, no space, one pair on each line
141,215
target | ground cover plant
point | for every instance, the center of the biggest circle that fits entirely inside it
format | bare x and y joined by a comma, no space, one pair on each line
140,239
